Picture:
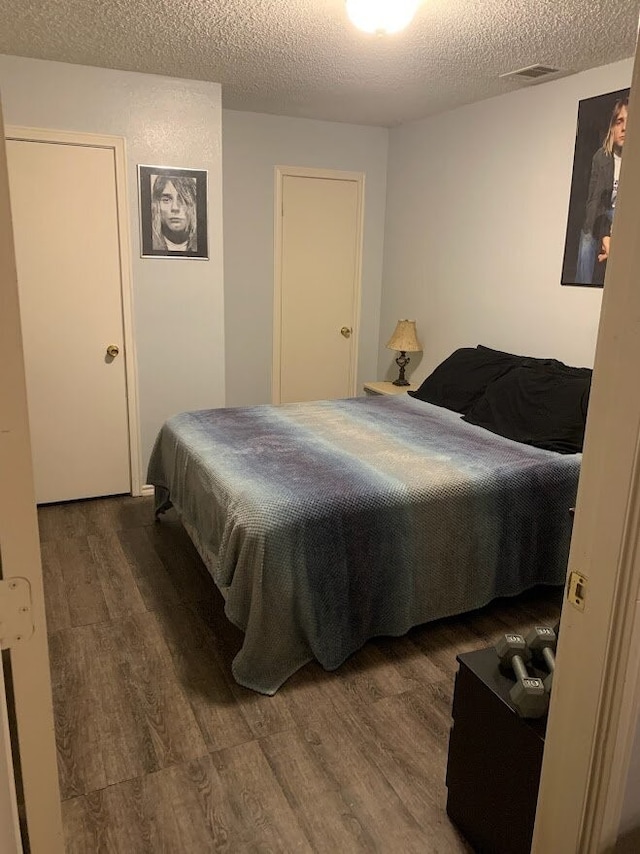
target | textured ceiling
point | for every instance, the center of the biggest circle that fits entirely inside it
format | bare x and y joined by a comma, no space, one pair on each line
305,58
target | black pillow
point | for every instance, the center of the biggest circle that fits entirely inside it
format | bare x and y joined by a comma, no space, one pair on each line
541,405
463,377
527,360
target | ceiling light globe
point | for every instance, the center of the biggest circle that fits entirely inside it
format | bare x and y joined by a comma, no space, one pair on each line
381,16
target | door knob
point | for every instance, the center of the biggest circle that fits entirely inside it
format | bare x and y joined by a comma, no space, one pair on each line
346,332
113,350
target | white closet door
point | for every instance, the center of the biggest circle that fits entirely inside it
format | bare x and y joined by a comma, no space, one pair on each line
63,200
320,256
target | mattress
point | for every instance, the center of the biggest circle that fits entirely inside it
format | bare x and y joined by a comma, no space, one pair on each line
325,524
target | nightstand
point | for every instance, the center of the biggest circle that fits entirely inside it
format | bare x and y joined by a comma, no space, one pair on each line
373,389
495,758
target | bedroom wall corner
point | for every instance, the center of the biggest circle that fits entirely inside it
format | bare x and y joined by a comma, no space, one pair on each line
476,221
253,145
178,304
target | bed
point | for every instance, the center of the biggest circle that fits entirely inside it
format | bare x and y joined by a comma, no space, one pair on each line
326,524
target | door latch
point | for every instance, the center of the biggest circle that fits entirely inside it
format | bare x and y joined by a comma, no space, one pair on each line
577,590
16,617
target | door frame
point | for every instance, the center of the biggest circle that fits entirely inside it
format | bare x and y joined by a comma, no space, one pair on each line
26,660
282,172
116,144
596,695
10,834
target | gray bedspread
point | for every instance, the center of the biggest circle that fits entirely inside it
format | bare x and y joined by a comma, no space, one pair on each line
325,524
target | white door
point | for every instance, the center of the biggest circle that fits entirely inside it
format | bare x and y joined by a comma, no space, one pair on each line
25,656
64,207
318,297
595,702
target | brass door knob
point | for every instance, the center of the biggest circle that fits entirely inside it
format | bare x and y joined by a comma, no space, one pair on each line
346,331
113,350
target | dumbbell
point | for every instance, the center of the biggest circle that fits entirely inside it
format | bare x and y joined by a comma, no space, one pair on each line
528,694
542,641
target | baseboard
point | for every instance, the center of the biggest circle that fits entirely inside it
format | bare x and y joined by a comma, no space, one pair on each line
147,489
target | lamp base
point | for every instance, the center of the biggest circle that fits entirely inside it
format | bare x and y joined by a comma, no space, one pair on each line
402,361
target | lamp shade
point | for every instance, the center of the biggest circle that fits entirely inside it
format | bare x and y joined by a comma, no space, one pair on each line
404,337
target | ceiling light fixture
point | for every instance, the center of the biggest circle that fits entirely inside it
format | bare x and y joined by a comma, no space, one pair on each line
381,16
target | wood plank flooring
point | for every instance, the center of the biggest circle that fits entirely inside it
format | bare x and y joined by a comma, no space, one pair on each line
159,750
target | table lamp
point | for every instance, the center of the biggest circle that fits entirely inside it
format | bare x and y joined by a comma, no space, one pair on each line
405,340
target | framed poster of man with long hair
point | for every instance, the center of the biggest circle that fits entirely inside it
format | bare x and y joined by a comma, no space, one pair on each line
173,212
602,125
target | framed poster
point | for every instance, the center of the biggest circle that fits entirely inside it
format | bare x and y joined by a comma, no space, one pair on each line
173,212
602,124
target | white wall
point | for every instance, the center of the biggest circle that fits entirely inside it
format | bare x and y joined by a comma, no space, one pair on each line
178,304
476,220
253,144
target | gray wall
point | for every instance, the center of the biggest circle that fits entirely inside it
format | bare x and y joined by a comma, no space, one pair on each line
476,220
253,144
178,304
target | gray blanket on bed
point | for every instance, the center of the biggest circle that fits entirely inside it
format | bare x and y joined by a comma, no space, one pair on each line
325,524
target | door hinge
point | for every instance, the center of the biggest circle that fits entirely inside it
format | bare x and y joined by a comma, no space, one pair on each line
16,616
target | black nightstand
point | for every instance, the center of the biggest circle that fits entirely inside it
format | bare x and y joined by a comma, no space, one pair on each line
495,756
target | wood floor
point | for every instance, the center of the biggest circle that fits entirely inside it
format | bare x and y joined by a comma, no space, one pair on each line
159,750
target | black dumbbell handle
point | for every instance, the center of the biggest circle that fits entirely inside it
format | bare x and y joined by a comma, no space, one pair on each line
549,658
518,667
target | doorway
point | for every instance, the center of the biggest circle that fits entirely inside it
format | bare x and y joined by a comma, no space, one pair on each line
318,261
72,254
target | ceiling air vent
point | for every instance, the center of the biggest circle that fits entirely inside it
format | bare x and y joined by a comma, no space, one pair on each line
531,72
